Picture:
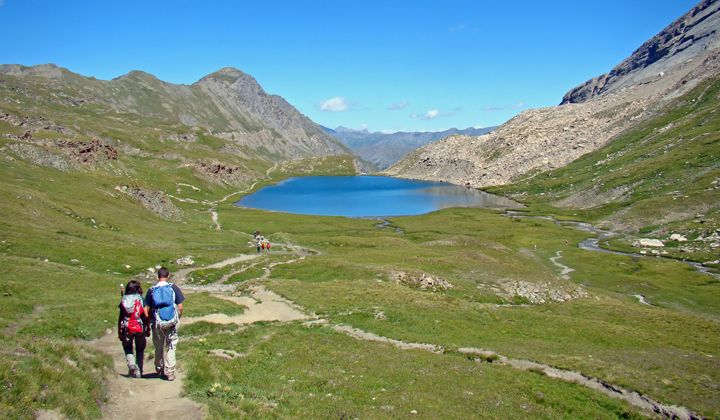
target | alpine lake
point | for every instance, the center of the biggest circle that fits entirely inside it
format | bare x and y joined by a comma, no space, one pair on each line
367,196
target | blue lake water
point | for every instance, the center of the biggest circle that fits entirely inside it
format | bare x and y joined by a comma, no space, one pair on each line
367,196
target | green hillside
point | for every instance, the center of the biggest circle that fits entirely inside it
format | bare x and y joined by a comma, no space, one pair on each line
80,217
659,178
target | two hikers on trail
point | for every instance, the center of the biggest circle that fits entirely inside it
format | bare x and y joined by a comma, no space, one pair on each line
160,313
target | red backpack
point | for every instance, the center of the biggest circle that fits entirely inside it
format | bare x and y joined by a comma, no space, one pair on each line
132,306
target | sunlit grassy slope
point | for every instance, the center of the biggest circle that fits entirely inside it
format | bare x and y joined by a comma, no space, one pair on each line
67,239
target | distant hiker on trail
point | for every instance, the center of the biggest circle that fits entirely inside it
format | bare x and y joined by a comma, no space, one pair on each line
164,306
267,246
259,245
133,327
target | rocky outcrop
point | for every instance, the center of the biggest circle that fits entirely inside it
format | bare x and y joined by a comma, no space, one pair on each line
221,173
422,281
88,151
538,293
155,201
543,139
33,124
689,36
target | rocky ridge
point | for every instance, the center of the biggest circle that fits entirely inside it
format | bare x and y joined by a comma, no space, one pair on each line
543,139
684,39
228,104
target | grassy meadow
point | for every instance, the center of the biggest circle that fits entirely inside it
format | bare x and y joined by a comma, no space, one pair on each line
69,238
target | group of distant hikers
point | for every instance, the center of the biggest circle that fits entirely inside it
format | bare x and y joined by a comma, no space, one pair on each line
158,313
263,244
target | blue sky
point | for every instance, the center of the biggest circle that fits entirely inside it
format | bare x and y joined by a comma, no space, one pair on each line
384,65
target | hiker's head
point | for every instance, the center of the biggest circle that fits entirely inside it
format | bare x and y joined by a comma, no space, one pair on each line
163,273
133,288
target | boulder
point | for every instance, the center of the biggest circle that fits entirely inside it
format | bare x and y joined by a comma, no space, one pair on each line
678,237
646,242
186,260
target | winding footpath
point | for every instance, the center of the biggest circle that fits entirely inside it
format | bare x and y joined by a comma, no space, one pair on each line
163,399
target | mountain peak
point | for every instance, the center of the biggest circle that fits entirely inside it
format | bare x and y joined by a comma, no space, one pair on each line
229,74
137,74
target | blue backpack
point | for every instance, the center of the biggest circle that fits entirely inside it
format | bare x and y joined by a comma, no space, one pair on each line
166,314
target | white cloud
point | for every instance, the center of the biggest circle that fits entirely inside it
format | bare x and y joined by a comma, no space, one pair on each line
430,114
399,105
336,104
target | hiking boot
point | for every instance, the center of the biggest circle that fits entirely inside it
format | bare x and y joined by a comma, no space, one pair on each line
133,371
138,373
170,376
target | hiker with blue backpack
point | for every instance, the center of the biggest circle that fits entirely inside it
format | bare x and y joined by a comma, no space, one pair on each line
133,327
163,305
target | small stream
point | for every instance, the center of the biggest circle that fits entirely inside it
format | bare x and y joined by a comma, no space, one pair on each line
593,244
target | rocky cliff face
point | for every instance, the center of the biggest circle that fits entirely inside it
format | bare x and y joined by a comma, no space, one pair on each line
228,104
543,139
234,91
689,36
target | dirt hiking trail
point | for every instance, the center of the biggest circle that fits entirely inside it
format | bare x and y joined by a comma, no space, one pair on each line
164,400
157,398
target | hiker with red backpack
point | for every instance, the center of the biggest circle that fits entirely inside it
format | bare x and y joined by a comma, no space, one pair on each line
133,327
164,306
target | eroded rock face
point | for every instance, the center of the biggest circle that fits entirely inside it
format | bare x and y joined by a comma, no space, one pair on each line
219,172
422,281
538,139
155,201
88,152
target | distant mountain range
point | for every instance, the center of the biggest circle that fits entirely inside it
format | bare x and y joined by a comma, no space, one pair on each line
384,149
